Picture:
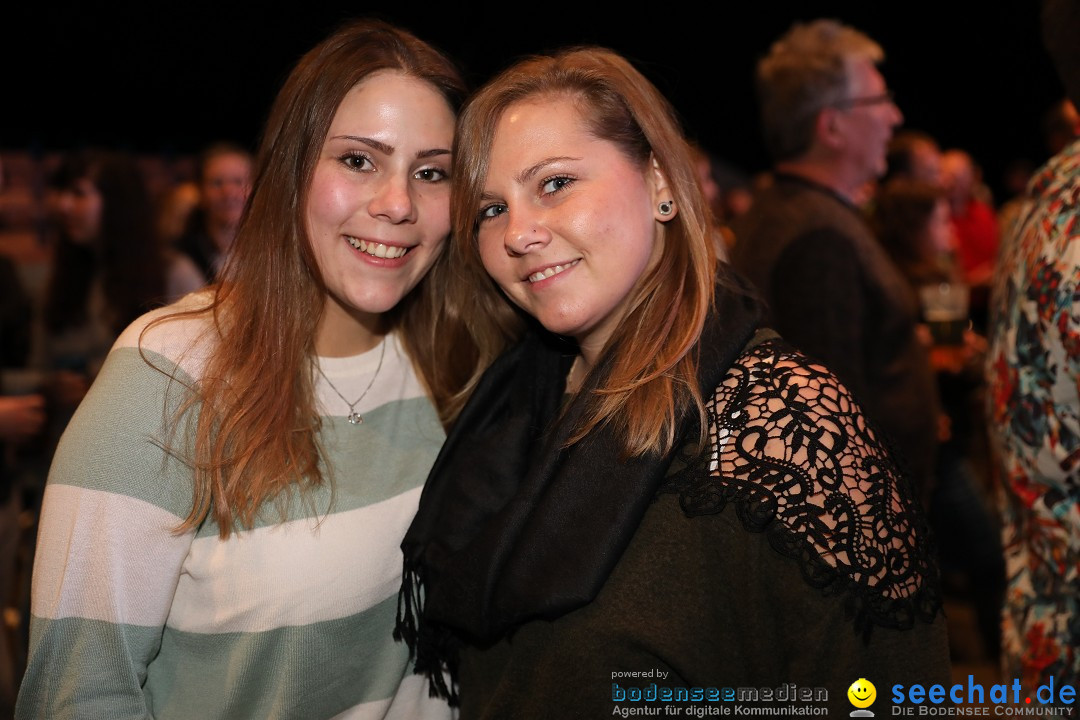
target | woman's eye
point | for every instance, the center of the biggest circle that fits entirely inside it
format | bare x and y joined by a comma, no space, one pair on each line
491,211
432,175
357,161
555,184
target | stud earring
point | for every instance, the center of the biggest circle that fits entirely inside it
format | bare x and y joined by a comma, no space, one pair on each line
665,207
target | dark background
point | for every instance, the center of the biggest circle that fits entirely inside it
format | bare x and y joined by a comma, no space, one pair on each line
168,79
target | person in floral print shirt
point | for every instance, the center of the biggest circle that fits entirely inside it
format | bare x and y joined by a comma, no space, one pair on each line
1033,374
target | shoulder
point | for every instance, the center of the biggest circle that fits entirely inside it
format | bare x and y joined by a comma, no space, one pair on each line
803,219
180,332
775,383
182,276
791,448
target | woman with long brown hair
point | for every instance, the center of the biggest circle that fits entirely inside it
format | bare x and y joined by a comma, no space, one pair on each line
109,266
574,553
221,528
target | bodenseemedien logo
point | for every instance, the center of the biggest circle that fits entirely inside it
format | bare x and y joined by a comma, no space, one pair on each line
862,694
681,701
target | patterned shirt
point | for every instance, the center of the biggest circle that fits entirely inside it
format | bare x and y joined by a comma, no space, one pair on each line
1033,374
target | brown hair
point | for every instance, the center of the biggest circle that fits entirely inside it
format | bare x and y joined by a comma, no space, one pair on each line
901,158
902,211
127,253
650,378
255,436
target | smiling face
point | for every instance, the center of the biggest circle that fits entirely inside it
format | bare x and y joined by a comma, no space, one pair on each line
568,223
378,209
862,693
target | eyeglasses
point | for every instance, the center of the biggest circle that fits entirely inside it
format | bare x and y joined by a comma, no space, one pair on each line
885,97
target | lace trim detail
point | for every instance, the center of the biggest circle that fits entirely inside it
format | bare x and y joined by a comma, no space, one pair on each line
791,449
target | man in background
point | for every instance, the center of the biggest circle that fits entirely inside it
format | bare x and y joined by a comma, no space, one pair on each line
827,119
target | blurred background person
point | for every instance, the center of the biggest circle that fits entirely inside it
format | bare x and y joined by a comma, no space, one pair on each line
1061,125
22,416
223,175
21,419
175,208
1014,180
735,188
913,154
975,227
109,265
710,188
15,312
827,118
912,220
726,189
713,194
1033,400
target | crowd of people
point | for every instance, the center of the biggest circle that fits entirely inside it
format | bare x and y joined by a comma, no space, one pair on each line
108,259
481,402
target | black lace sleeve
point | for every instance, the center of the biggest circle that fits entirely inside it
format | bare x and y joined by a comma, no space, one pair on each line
792,451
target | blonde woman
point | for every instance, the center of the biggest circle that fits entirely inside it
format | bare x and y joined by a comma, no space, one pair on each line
647,494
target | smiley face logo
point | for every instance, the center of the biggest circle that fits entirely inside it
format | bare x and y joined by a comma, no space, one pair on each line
862,693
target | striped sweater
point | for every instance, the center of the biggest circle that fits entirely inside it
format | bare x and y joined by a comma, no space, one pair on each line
290,619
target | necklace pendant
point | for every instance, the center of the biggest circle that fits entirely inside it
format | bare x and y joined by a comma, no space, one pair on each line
354,417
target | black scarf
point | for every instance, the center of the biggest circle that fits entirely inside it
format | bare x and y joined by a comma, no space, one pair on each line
514,526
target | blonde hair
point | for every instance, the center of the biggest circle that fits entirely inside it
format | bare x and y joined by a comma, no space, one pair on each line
255,434
649,376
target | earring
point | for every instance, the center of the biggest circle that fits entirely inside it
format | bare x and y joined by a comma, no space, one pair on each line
665,207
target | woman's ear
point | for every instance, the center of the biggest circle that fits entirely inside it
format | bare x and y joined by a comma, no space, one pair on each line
664,207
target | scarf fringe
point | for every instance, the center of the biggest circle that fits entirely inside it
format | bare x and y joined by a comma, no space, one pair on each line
434,648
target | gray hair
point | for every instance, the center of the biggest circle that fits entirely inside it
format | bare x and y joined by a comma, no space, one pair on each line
807,70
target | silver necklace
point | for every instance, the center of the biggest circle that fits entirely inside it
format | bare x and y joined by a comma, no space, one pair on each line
354,417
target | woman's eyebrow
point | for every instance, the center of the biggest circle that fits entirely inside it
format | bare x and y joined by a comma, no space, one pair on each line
527,174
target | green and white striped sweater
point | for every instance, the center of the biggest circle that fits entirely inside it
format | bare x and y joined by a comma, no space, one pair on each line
287,620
